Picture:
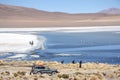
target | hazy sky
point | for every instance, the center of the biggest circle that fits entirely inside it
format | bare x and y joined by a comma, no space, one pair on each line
70,6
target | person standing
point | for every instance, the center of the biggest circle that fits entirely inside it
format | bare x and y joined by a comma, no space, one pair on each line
62,61
31,43
80,64
73,62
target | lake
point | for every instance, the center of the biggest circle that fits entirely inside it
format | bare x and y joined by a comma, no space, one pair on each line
95,46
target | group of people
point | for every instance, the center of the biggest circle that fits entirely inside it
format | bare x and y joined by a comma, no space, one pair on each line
31,43
73,62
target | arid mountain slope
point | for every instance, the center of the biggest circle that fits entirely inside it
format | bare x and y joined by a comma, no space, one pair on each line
16,16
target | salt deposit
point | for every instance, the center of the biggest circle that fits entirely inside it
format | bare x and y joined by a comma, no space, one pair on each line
20,43
18,56
66,29
63,54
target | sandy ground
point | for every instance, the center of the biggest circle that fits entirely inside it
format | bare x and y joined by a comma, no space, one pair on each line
19,70
63,29
61,23
113,20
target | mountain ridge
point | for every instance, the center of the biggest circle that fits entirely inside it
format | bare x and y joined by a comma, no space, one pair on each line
111,11
17,16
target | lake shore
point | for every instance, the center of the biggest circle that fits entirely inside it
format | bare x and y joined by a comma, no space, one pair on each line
19,70
64,29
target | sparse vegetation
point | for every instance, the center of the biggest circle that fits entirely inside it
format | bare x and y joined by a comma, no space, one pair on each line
63,76
78,73
67,72
21,73
2,73
15,74
35,78
7,73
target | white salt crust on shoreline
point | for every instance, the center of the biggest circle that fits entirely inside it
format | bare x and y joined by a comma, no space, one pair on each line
20,43
66,29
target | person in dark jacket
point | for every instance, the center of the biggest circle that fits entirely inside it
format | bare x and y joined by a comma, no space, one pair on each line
80,64
73,61
62,61
31,43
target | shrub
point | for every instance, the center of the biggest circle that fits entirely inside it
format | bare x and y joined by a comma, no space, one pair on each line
63,76
59,75
104,74
2,73
15,74
35,78
118,69
7,73
21,73
25,78
78,73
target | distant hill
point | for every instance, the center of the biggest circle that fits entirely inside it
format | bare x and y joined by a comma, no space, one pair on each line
23,12
111,11
16,16
8,11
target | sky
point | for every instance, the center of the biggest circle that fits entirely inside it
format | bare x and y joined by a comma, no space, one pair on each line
69,6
